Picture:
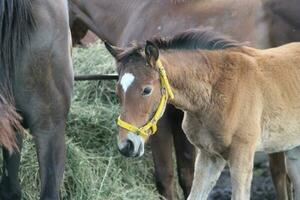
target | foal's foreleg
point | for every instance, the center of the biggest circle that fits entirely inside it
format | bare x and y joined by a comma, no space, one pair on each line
241,159
207,170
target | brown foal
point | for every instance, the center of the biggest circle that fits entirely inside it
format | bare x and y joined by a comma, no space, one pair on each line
236,100
264,24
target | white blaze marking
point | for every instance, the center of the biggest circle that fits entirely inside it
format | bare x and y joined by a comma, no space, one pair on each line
126,81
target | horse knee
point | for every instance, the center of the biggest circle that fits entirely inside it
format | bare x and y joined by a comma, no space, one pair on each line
164,180
293,160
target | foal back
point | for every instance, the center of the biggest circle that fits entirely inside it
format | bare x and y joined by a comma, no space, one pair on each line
278,80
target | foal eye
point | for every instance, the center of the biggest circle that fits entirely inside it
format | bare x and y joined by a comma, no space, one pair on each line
147,91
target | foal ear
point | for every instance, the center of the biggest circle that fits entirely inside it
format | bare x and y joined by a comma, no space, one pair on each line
113,50
151,52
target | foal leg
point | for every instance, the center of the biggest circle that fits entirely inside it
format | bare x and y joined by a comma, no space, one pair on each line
241,159
185,154
293,168
10,187
161,145
207,171
279,175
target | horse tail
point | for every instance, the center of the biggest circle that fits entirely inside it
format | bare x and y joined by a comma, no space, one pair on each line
9,123
16,25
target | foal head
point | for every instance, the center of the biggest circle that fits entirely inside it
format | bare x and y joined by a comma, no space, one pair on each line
139,92
143,88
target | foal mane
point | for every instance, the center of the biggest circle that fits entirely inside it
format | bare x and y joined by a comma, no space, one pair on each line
191,39
196,39
16,25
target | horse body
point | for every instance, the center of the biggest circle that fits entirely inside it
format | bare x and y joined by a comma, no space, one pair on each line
259,112
269,88
236,100
280,75
166,18
41,81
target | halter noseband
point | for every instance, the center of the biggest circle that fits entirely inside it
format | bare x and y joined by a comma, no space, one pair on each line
152,124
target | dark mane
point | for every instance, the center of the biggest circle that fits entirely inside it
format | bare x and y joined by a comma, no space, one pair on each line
16,24
187,40
196,39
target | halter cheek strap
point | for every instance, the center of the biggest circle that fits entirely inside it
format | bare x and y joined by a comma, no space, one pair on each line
152,124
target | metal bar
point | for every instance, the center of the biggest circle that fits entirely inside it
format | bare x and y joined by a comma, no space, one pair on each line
96,77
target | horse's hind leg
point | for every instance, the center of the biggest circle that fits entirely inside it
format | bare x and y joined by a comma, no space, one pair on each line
185,154
10,186
293,168
279,175
161,145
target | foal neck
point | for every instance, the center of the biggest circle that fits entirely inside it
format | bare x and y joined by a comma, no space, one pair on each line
192,76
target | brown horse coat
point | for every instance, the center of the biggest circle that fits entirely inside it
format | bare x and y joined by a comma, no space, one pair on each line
263,23
250,89
249,101
236,100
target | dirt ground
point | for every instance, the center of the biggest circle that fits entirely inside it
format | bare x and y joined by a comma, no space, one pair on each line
262,186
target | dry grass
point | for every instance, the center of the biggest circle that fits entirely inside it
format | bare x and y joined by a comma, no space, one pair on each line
94,168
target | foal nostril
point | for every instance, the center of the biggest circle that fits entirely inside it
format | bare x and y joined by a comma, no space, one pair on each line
128,149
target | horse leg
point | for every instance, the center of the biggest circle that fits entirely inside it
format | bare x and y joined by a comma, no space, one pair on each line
46,119
241,159
44,103
207,171
161,145
51,156
10,187
293,169
279,175
185,155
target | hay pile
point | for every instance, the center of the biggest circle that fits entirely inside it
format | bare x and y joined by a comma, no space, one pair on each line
94,168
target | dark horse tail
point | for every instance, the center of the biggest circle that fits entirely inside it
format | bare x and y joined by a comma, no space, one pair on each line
16,24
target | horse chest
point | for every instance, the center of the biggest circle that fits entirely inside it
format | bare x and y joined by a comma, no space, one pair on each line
199,135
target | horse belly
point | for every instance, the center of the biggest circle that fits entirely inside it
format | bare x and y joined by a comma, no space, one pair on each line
279,137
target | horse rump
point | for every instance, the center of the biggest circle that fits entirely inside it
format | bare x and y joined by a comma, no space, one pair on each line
10,123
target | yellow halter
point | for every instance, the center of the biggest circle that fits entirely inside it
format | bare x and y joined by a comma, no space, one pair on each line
152,124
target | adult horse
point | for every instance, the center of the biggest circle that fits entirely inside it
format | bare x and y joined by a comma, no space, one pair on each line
121,22
36,80
236,100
